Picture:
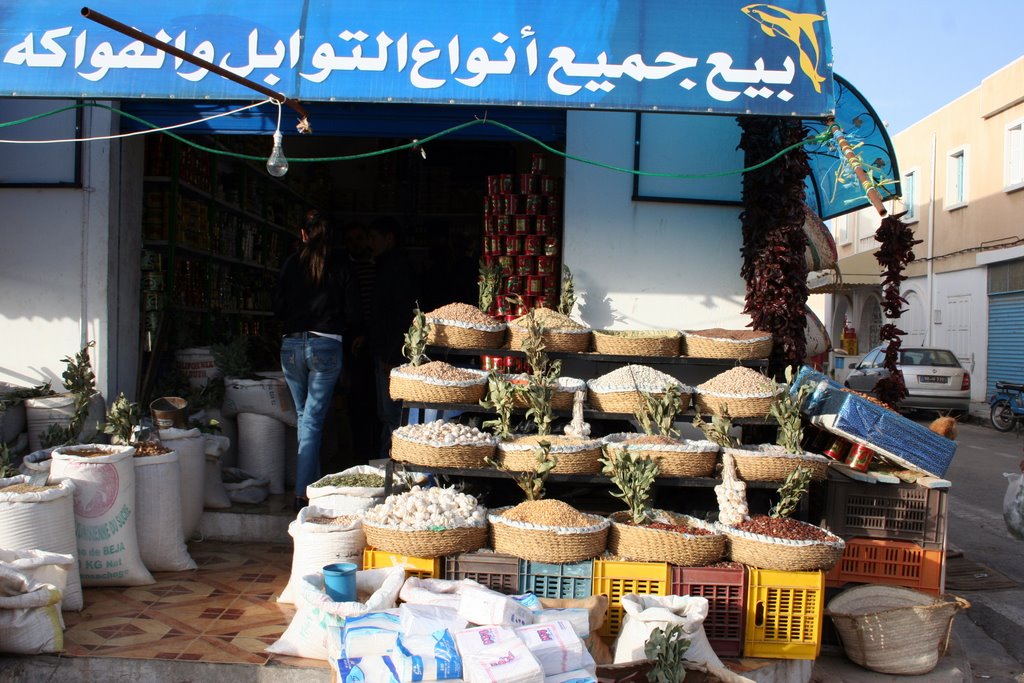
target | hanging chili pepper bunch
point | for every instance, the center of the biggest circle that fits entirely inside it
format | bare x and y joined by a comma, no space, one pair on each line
773,238
897,250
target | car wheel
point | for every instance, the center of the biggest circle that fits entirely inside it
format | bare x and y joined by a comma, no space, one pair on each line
1001,416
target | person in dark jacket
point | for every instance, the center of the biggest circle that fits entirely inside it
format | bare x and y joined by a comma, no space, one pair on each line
317,300
394,298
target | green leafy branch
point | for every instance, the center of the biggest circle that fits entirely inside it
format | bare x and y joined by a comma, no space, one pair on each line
487,284
80,381
122,418
666,648
658,412
791,492
719,430
415,340
633,475
785,409
532,482
567,299
500,398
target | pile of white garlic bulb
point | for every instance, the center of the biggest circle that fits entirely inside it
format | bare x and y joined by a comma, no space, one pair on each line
427,509
444,433
731,494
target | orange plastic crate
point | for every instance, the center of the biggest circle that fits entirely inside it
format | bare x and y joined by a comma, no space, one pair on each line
784,614
616,578
894,563
420,567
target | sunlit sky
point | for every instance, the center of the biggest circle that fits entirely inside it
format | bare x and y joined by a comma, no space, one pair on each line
910,57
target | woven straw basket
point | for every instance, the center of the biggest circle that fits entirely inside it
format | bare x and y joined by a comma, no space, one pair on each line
699,346
642,544
561,340
455,336
768,552
427,390
637,342
685,458
440,455
426,543
554,545
894,630
771,463
561,399
629,402
520,454
709,403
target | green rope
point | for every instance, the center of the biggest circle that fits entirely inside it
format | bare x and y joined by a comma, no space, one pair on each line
818,139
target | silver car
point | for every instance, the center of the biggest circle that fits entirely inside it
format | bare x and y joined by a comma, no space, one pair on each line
935,379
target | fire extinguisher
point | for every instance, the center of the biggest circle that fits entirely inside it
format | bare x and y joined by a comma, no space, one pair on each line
849,339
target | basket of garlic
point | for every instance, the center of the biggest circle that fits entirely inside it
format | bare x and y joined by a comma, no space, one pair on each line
430,522
622,390
574,455
548,531
437,382
442,444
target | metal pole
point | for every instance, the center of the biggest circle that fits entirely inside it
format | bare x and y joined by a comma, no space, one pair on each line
115,25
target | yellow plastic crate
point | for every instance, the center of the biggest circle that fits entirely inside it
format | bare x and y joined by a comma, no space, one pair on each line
420,567
784,614
615,578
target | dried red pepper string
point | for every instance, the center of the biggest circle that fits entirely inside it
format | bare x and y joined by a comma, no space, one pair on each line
897,250
774,242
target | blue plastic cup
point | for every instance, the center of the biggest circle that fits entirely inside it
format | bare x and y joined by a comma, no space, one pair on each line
340,581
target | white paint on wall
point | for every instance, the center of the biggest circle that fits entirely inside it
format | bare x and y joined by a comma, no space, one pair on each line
644,265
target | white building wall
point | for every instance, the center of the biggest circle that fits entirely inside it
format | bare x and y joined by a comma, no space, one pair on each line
58,264
644,265
960,320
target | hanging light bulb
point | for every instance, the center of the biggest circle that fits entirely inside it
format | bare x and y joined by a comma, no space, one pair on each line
277,164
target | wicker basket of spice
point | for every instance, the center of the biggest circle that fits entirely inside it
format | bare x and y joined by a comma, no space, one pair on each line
721,343
738,392
437,382
430,522
783,544
637,342
562,397
674,457
621,390
668,537
463,326
770,462
442,444
561,333
548,531
575,456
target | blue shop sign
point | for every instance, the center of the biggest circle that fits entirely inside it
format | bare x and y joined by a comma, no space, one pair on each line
706,56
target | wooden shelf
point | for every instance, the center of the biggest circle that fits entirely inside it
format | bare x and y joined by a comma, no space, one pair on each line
444,352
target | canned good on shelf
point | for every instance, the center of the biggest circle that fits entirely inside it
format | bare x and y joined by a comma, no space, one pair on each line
551,246
838,449
506,264
513,245
505,183
542,225
538,163
514,284
493,184
554,205
548,184
528,183
514,203
535,285
522,224
533,245
525,265
534,204
504,224
490,225
546,265
859,457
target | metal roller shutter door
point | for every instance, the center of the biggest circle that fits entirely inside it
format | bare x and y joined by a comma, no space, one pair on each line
1005,339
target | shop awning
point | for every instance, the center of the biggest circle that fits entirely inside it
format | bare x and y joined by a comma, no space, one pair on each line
860,271
701,56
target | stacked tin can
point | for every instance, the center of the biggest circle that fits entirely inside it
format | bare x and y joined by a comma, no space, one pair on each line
522,236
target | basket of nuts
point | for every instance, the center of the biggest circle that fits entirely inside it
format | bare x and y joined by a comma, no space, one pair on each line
442,444
637,342
674,457
720,343
574,455
737,392
463,326
619,391
783,544
437,382
560,332
548,531
429,522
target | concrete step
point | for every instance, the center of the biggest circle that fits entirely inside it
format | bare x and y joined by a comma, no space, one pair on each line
264,523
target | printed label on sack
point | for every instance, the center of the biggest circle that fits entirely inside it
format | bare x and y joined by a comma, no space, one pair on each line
97,491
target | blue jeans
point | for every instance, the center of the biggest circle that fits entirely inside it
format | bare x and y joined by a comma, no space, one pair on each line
311,366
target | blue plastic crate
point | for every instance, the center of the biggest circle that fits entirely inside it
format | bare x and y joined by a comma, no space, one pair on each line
572,581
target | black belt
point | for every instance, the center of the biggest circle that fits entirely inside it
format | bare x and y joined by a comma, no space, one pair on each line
296,335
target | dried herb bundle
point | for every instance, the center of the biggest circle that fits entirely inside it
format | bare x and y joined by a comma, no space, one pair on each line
718,430
543,377
415,340
80,381
791,492
658,412
487,284
500,398
786,412
633,475
568,297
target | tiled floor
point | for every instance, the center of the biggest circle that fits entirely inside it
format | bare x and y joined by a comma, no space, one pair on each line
224,612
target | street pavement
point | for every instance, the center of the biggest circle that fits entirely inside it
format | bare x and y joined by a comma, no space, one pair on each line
991,632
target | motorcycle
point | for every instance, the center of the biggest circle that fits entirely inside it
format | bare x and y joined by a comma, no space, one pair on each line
1006,406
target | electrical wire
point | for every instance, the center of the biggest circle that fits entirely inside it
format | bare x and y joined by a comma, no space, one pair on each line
96,138
820,138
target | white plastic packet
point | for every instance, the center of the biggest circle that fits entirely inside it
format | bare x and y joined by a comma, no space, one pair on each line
1013,504
423,620
577,676
371,634
556,646
486,607
577,617
473,640
441,592
508,661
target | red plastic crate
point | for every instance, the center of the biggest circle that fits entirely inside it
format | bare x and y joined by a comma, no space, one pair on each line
893,563
497,571
906,512
725,589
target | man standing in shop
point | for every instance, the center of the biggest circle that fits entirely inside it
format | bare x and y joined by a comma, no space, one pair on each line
394,298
